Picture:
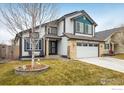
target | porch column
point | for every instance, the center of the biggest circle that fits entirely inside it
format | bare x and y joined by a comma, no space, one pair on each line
113,46
47,47
44,49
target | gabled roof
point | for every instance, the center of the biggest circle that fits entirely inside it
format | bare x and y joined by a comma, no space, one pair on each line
63,17
75,12
102,35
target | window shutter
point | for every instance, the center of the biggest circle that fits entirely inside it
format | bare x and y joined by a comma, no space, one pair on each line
24,44
40,44
28,43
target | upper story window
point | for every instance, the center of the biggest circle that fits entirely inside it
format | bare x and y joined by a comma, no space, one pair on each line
79,27
83,26
52,30
88,29
36,34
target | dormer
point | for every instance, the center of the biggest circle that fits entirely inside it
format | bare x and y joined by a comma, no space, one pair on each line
83,26
80,23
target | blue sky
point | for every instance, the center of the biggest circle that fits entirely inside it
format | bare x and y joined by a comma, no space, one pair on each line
107,16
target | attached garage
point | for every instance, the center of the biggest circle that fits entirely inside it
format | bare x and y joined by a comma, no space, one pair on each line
86,50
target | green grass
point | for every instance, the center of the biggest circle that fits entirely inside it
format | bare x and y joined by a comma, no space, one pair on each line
119,56
61,72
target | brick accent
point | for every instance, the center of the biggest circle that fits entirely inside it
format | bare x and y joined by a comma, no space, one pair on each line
101,49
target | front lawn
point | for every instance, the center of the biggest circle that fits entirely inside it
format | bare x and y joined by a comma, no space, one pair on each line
61,72
119,56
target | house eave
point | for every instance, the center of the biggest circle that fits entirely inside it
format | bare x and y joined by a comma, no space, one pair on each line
87,39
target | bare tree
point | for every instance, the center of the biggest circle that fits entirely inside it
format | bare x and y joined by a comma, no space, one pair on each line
20,17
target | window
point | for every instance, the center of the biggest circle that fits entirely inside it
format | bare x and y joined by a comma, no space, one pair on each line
35,34
86,29
79,27
28,45
38,44
90,45
52,30
106,46
89,29
83,28
79,44
84,44
95,45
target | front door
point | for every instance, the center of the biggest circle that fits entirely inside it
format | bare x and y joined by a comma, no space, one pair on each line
52,47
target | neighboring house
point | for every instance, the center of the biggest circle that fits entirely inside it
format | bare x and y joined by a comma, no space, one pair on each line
72,36
114,40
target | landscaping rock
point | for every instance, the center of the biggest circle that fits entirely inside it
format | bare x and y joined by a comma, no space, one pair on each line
27,69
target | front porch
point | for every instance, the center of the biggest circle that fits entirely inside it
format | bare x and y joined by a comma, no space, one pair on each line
110,48
51,47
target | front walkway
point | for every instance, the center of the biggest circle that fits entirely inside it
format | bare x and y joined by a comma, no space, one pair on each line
106,62
47,57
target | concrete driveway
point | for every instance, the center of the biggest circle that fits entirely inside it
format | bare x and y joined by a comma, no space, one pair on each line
106,62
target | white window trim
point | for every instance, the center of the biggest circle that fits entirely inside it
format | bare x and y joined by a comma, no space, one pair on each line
30,45
90,29
81,27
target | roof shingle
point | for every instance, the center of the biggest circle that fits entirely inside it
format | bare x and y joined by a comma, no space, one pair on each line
102,35
72,36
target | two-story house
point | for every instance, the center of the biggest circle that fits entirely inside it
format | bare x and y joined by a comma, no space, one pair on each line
72,36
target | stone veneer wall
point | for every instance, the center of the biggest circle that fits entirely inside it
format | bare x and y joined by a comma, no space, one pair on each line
72,49
101,49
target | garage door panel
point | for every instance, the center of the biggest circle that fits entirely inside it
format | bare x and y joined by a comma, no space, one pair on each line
87,51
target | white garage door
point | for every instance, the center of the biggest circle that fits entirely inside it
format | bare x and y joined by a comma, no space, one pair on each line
87,50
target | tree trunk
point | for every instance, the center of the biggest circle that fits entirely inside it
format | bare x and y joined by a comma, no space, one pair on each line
33,41
33,54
